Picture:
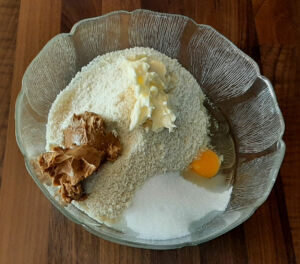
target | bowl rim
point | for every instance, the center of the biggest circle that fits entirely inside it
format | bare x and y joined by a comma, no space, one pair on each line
123,241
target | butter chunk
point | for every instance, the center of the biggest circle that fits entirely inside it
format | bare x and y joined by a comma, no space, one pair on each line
149,85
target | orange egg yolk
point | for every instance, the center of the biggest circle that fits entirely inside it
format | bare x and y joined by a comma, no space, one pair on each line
207,164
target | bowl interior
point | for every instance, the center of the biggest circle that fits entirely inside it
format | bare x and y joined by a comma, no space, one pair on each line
229,78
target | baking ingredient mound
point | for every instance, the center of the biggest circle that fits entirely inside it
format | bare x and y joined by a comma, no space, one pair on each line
102,87
167,205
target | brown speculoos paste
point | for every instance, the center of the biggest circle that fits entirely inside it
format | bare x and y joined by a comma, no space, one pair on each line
87,146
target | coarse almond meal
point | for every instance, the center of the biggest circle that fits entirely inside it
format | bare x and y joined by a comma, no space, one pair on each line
103,87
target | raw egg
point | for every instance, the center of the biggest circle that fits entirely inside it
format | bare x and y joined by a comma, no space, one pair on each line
207,164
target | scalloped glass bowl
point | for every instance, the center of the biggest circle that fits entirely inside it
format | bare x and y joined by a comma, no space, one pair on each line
229,78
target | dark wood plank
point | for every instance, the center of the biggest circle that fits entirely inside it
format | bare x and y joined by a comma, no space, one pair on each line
264,234
24,211
285,223
69,243
114,5
230,247
72,12
9,12
276,21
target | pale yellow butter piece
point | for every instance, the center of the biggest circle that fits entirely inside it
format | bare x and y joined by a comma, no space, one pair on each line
149,84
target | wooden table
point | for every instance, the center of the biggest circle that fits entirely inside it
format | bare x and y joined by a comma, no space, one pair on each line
32,231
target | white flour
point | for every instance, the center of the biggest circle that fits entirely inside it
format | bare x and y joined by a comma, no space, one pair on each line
102,87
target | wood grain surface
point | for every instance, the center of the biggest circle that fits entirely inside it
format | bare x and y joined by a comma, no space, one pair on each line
9,11
32,231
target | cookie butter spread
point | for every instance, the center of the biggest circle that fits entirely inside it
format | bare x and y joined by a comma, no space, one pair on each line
87,146
149,83
68,167
89,128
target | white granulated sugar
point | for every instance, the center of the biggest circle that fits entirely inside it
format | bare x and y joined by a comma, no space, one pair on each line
167,204
102,87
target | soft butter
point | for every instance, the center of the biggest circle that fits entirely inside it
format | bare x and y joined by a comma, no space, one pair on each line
149,83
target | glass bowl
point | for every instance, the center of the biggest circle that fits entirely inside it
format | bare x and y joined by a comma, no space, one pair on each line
229,78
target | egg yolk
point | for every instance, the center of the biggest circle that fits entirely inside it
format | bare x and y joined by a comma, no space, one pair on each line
207,164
